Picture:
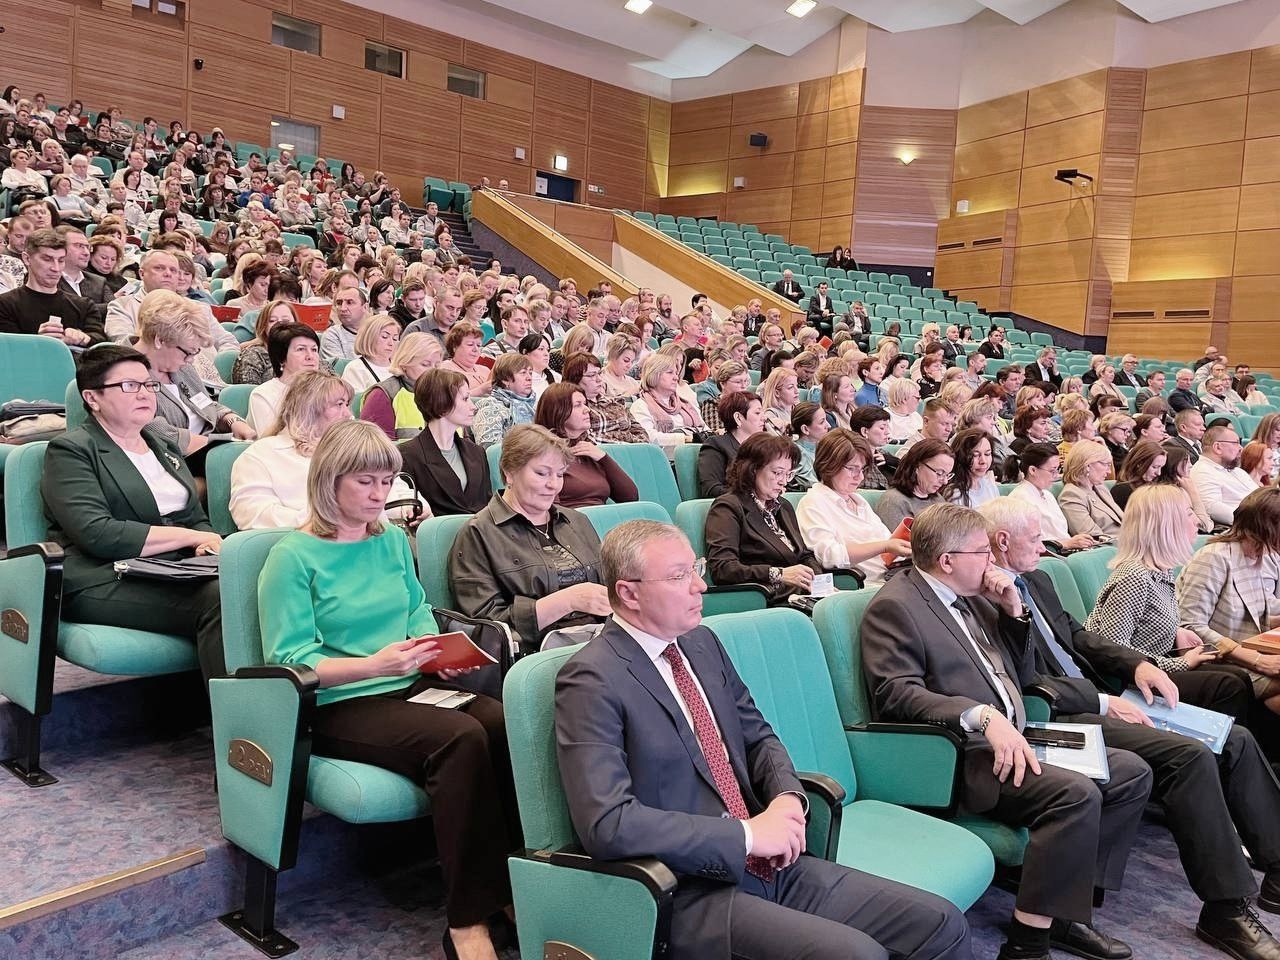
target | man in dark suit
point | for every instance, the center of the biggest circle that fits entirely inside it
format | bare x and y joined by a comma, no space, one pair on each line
936,648
787,287
1045,369
820,313
1183,396
952,350
1188,428
663,753
1127,376
755,318
1207,800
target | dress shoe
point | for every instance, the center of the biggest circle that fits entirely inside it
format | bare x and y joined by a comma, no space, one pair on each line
1242,935
1010,952
1082,940
1269,896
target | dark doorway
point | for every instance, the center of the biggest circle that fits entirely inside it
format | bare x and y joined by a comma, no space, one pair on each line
558,187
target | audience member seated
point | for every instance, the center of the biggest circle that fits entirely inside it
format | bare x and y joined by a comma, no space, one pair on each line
526,562
902,400
871,371
1116,430
620,359
339,341
1218,396
779,393
269,480
808,427
41,306
462,349
510,403
788,287
1255,460
1150,426
376,342
667,417
993,347
449,470
1105,385
922,473
730,377
611,419
255,281
938,421
253,365
634,791
1137,606
1217,474
292,349
76,278
972,484
1182,396
1085,500
1142,465
742,414
838,398
1037,469
1189,428
838,525
118,488
593,477
937,645
364,647
1208,804
752,532
390,404
1030,425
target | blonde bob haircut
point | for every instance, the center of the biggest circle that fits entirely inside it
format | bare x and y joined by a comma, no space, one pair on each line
524,444
414,348
772,386
1154,530
370,330
580,339
900,390
302,408
620,343
656,365
352,446
1083,453
974,411
165,317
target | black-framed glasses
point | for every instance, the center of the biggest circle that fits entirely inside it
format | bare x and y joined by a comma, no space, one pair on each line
133,386
698,568
940,474
969,553
189,354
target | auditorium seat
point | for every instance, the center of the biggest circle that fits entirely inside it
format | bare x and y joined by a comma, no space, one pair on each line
217,471
691,518
686,466
649,468
780,659
34,368
605,516
236,396
1090,571
225,362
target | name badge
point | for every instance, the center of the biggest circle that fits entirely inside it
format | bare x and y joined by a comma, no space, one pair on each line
200,401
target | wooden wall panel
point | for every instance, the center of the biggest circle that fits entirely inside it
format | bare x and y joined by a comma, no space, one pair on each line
515,94
692,179
1264,72
492,60
982,158
1257,253
224,74
551,84
755,206
1212,121
699,146
1039,185
815,96
981,121
1254,299
1177,258
1074,137
1171,171
781,134
414,36
1260,206
1264,115
1060,304
1211,78
493,131
239,121
971,268
1182,214
769,103
998,192
1056,222
1067,98
1159,340
232,16
1052,262
1261,160
705,114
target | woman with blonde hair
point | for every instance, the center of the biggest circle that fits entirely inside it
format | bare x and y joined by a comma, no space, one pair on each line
1073,385
667,417
366,647
269,480
955,394
245,261
779,393
375,345
475,306
902,398
390,403
253,365
1105,385
1116,430
620,358
1085,500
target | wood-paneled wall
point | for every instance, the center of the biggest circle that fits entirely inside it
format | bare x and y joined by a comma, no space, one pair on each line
408,128
801,185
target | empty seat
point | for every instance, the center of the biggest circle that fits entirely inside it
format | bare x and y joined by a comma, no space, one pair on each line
878,277
933,316
899,279
871,298
866,286
911,314
886,311
888,289
934,292
898,300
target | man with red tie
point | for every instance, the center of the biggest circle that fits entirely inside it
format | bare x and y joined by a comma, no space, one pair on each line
664,754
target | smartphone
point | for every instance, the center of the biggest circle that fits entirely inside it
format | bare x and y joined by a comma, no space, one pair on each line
1071,739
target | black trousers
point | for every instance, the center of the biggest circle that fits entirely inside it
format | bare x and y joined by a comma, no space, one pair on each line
1081,832
460,757
187,609
817,910
1216,686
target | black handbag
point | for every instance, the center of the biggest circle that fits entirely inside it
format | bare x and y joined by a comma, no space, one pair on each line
491,637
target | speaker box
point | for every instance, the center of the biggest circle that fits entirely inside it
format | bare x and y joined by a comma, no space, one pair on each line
758,140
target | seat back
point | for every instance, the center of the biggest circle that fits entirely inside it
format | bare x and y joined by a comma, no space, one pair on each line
1090,571
691,518
606,516
528,704
686,463
838,621
34,368
779,657
225,362
649,468
435,543
243,556
236,396
71,399
217,471
24,517
1064,584
494,453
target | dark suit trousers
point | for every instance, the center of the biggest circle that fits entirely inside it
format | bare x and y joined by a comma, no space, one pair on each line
1081,832
1203,796
1223,687
186,609
818,910
460,758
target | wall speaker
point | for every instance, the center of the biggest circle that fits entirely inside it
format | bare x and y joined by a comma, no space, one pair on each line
758,140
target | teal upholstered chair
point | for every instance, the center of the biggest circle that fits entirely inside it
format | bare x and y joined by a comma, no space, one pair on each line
606,516
224,361
1064,584
686,463
494,453
217,472
34,368
616,909
648,466
262,747
780,659
236,396
97,647
1089,569
912,764
691,518
435,543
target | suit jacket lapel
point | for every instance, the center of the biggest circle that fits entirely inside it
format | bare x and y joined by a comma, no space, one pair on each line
947,620
125,475
1250,597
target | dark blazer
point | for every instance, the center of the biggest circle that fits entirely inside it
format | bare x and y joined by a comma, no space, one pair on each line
1037,372
921,668
952,351
637,782
1179,440
92,287
990,350
1130,380
741,548
792,291
100,509
1180,400
713,463
436,480
815,314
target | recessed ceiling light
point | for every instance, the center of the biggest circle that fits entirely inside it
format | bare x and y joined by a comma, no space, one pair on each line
801,7
638,6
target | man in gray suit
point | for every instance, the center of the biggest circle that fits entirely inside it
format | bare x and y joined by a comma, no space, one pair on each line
948,642
663,753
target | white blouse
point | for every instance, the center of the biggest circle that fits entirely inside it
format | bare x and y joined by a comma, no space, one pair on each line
171,496
828,521
1053,523
269,485
902,428
361,373
984,491
264,403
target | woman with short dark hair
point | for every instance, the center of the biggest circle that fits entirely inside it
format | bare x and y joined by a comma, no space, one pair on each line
292,348
449,469
917,483
742,414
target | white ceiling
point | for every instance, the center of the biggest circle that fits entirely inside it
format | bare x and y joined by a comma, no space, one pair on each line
695,38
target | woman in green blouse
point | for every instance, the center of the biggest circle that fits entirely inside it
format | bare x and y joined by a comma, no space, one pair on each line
340,595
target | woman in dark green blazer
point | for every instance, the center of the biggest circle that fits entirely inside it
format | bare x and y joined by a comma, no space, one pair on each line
116,489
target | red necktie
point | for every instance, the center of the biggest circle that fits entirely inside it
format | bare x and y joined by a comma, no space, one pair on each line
714,751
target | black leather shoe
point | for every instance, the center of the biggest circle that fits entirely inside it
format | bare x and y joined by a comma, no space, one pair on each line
1243,936
1082,940
1269,897
1010,952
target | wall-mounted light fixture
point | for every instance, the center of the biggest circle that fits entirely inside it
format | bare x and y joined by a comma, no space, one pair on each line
906,156
561,163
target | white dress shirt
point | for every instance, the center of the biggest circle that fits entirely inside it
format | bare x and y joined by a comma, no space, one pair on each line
1221,489
360,373
1053,523
828,521
264,403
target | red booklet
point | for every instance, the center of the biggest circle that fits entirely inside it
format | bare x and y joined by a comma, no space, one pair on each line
457,652
902,532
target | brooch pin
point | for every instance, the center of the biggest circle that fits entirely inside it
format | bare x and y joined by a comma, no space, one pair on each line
173,461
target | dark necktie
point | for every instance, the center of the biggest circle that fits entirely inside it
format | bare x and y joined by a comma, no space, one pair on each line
997,662
713,750
1064,659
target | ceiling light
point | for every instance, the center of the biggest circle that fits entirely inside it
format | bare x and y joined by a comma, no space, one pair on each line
638,6
561,162
801,7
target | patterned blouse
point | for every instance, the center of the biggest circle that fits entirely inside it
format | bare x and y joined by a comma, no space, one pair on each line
611,422
1137,607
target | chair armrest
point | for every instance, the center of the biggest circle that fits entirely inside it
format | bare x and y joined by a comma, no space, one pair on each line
848,575
735,598
649,872
1040,701
262,751
913,765
826,806
30,605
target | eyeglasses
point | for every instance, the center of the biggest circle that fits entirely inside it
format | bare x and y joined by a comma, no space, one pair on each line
940,474
698,569
189,354
985,552
133,386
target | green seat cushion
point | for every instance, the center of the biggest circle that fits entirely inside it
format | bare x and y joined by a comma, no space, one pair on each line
363,793
1007,844
122,652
